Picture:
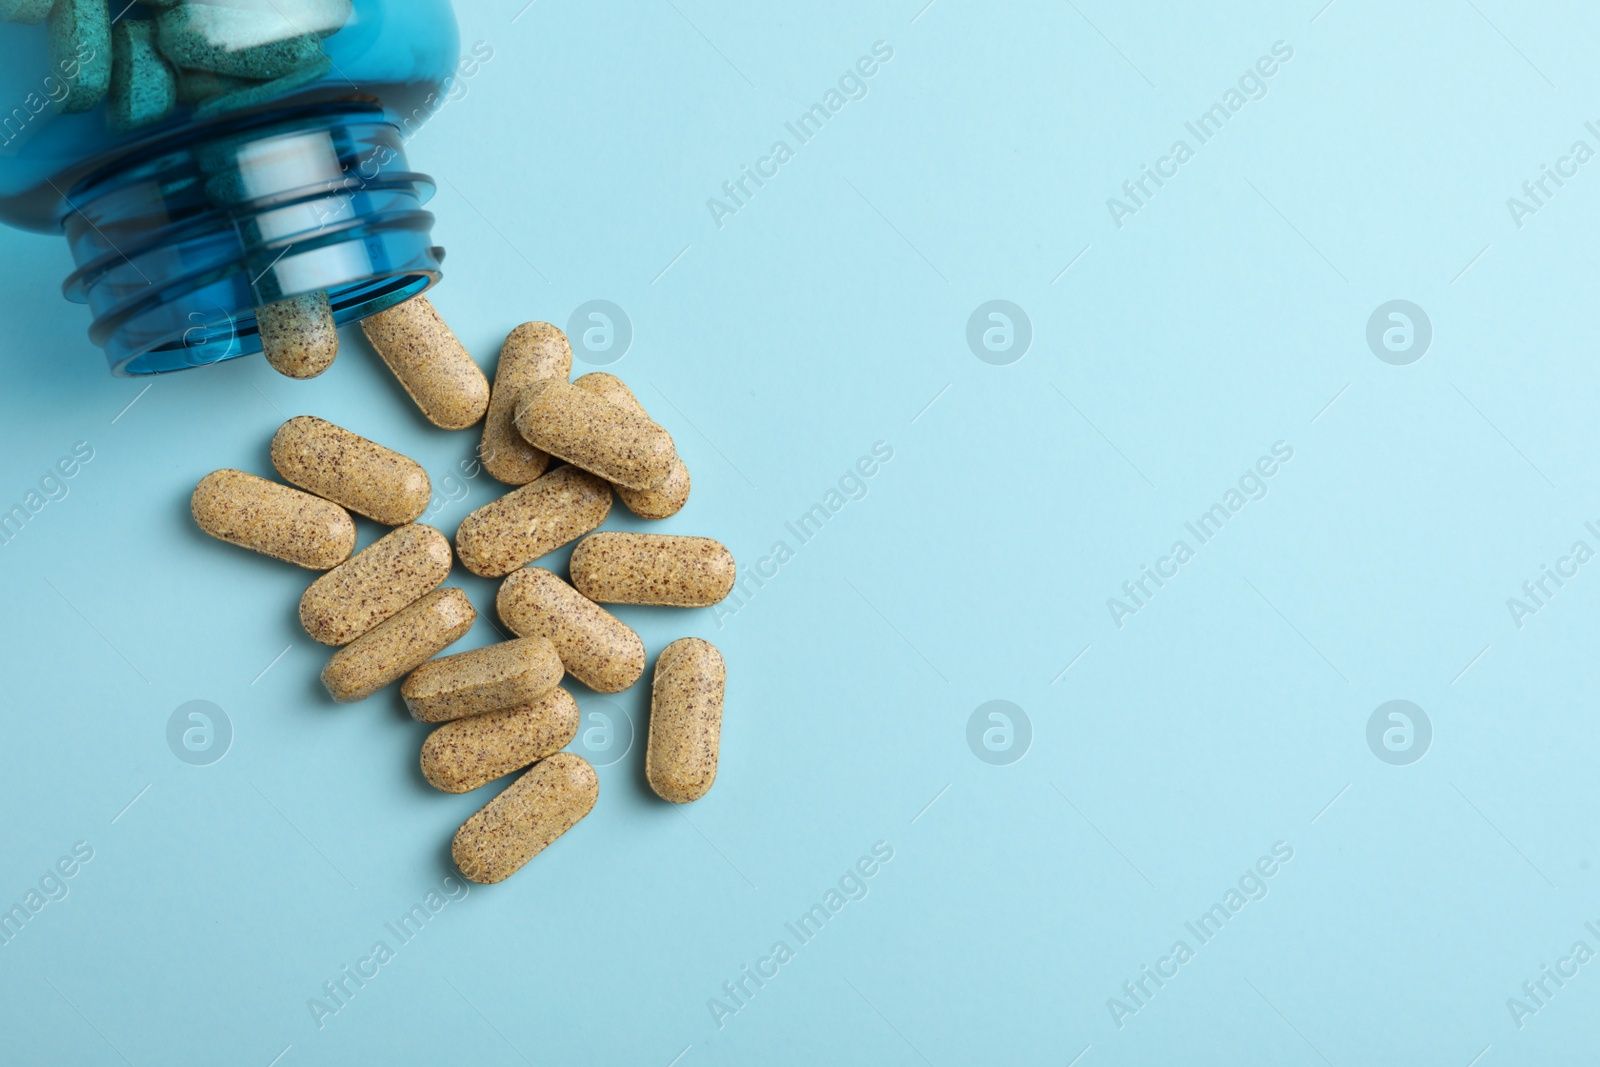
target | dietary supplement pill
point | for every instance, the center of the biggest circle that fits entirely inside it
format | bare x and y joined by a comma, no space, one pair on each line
635,568
195,86
375,584
528,522
462,755
143,89
252,93
532,352
431,364
573,424
664,500
298,335
595,646
398,645
484,679
273,519
521,822
348,469
244,41
79,36
680,761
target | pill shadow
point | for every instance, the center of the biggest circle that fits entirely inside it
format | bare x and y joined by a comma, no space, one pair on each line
447,864
627,772
317,696
419,733
638,781
262,457
638,785
291,617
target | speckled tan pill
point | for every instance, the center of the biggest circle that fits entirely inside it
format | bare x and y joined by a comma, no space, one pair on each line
521,822
467,753
485,679
432,365
685,720
533,351
528,522
374,584
298,335
634,568
662,501
398,645
573,424
348,469
273,519
595,646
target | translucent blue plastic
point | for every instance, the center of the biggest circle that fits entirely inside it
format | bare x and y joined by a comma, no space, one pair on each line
271,167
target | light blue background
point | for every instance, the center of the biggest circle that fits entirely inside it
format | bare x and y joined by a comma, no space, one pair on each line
1229,714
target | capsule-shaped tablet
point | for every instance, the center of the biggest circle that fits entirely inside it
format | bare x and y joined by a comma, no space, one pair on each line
198,86
253,41
374,584
484,679
273,519
348,469
661,501
680,761
528,522
533,351
78,33
521,822
634,568
143,88
398,645
298,335
595,646
622,446
254,93
462,755
431,364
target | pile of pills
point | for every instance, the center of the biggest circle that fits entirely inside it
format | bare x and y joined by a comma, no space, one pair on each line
214,55
497,709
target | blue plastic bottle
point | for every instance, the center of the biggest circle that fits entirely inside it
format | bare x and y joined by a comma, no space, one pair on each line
214,156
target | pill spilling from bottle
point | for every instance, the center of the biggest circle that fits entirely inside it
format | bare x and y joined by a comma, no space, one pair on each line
386,610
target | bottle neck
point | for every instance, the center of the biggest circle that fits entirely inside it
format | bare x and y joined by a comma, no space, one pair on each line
178,244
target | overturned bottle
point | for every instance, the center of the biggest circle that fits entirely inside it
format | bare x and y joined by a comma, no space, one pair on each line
209,158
